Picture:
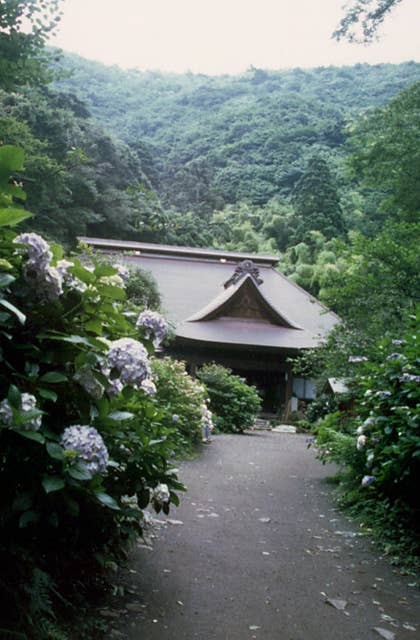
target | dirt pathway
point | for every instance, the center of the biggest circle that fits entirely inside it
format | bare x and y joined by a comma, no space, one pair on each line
260,550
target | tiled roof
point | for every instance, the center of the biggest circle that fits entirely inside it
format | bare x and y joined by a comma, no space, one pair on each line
191,283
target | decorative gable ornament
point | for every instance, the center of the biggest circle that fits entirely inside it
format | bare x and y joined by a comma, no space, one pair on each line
244,268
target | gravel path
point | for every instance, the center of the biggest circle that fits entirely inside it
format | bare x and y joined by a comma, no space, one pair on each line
262,554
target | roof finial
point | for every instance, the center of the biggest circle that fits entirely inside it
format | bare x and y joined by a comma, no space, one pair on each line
245,267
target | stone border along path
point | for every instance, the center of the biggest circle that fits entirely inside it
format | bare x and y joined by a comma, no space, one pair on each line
258,551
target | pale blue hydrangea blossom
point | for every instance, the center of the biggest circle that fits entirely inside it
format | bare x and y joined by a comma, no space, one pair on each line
128,359
154,325
358,359
89,446
367,480
28,403
48,280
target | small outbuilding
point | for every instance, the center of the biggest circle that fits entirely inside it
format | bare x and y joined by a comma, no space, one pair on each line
235,309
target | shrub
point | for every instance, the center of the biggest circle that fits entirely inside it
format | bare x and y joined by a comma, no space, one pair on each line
234,402
83,449
180,399
380,447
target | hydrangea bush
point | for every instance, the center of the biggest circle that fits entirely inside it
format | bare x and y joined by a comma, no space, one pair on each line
379,446
84,446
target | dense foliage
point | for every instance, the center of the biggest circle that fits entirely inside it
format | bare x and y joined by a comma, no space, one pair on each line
379,447
234,402
218,140
84,445
181,399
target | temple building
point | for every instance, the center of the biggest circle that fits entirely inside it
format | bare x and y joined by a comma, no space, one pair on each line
235,309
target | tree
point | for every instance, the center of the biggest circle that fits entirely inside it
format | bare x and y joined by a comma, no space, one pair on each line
386,153
363,19
25,26
316,202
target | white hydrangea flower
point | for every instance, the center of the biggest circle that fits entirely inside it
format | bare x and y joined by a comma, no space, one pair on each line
367,480
153,324
149,387
160,494
113,281
89,445
361,443
123,271
28,403
359,430
127,358
69,280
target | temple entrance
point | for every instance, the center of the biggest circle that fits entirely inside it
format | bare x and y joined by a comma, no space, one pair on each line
270,384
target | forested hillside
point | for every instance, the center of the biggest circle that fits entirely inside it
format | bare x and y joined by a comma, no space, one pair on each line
209,141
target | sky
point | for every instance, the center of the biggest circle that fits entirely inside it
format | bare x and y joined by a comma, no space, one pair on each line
227,36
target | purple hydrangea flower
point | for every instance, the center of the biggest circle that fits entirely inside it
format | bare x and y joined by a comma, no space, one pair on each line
129,359
28,403
89,445
47,280
367,480
37,250
357,359
398,343
153,324
383,394
175,418
408,377
395,356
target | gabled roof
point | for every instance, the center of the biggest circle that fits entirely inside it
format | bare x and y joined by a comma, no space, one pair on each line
194,298
244,299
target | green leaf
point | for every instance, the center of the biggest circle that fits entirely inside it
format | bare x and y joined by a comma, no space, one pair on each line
48,395
6,279
114,293
55,451
53,376
11,216
26,518
79,472
20,316
52,483
13,396
95,326
105,270
11,158
31,435
107,501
